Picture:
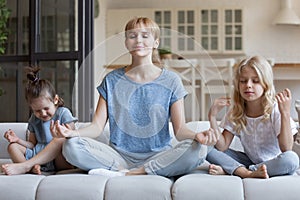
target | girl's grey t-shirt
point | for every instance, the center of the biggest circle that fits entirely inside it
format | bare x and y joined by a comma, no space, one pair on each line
41,129
139,113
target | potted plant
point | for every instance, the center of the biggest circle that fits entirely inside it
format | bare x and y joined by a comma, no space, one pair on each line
4,15
165,53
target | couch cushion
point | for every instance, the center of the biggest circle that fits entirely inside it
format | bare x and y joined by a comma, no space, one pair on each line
146,187
71,186
281,187
205,186
19,187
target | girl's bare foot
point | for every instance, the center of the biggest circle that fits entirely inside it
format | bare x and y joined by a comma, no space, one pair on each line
15,168
261,172
36,169
216,170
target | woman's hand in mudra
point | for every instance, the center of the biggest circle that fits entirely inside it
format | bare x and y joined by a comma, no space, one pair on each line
62,131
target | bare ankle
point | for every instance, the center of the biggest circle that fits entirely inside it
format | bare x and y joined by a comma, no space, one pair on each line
138,171
216,170
243,172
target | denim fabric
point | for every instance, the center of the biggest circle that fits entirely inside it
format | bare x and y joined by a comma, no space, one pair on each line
88,154
283,164
181,159
228,164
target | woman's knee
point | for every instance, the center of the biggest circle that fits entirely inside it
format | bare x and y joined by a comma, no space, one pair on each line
185,144
194,152
70,148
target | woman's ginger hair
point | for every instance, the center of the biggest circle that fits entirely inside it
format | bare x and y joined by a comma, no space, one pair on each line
136,23
265,75
37,87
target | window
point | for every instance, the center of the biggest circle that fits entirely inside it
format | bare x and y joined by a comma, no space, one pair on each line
164,19
57,36
186,29
233,29
222,32
210,29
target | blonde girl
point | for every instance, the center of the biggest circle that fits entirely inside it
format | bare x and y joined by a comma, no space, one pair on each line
261,120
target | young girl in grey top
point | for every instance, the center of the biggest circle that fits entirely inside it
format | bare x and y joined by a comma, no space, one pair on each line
46,106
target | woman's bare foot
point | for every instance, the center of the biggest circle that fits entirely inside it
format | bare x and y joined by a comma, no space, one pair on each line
216,170
15,168
36,169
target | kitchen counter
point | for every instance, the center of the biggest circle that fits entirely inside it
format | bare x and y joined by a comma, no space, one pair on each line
286,71
287,75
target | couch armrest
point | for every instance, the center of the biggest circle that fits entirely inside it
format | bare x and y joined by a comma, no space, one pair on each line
19,128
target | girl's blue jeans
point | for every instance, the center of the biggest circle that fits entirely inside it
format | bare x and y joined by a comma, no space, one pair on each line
283,164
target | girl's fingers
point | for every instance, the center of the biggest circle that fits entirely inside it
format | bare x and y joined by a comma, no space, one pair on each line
211,137
67,126
284,100
288,93
278,97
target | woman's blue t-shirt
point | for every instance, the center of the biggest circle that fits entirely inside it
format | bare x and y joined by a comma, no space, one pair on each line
139,113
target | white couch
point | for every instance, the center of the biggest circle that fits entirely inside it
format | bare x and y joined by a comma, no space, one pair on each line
195,185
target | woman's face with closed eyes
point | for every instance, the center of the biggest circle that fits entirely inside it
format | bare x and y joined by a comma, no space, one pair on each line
140,41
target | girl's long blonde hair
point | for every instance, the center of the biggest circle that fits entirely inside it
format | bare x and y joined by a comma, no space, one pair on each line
265,75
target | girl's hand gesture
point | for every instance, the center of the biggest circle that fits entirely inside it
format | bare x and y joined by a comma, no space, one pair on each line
218,105
284,99
11,136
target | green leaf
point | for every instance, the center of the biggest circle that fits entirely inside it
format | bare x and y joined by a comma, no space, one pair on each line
4,16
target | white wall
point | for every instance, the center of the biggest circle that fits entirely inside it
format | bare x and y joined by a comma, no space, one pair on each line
264,38
99,51
261,37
